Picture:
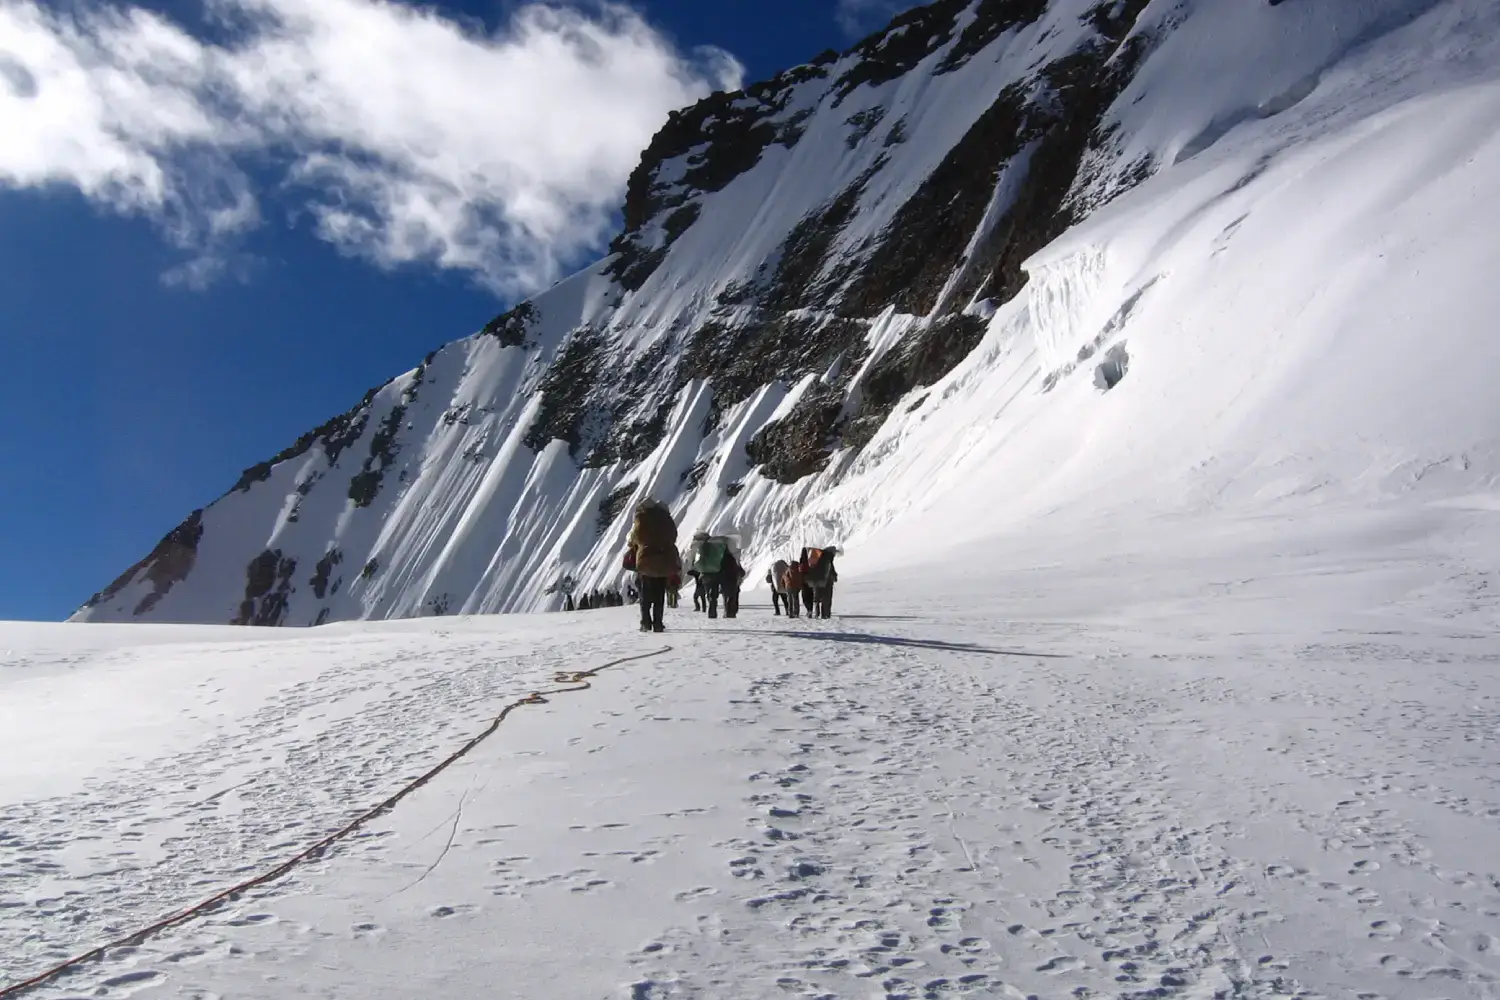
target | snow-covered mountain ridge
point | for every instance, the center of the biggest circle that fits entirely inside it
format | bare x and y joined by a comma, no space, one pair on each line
1016,264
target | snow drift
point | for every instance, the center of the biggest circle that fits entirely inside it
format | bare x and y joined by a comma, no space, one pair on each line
1015,266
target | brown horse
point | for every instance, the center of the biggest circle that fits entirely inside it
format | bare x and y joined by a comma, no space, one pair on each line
788,584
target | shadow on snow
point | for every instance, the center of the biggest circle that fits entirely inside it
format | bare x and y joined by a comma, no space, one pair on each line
885,640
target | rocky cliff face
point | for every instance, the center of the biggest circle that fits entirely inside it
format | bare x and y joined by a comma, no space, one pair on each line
800,261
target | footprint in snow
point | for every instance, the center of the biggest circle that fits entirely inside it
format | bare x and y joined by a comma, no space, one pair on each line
130,982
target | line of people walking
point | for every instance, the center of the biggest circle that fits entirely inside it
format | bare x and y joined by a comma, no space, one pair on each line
611,598
713,563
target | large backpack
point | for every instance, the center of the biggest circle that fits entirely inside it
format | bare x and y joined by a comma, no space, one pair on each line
711,556
655,529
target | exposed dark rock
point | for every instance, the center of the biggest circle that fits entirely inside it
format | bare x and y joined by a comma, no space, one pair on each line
513,328
167,564
268,588
895,51
721,137
370,569
1085,85
992,18
325,568
642,403
693,477
335,434
923,243
805,252
365,484
568,409
611,506
775,347
861,124
409,394
920,360
678,222
799,444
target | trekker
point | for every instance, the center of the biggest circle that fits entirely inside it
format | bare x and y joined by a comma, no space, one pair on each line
731,578
652,553
708,561
700,599
674,589
775,576
791,587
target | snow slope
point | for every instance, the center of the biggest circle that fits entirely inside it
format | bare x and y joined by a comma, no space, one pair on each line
880,290
1224,757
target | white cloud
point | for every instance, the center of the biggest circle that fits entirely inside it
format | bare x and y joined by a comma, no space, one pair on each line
407,136
861,17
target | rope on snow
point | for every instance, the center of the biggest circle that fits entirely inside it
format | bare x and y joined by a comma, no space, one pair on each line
568,681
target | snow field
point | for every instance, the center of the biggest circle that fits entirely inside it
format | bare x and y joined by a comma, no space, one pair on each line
1240,758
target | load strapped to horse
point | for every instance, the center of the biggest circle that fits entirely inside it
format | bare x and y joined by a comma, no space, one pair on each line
818,577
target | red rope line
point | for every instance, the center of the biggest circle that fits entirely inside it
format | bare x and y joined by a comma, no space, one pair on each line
575,680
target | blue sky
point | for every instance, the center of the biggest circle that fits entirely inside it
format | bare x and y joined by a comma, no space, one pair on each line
181,300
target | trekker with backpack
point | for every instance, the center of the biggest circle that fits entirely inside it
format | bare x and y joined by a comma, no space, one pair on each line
731,578
651,553
700,599
775,576
708,560
716,565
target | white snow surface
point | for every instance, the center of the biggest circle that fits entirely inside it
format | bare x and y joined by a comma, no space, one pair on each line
1216,756
1164,658
1301,297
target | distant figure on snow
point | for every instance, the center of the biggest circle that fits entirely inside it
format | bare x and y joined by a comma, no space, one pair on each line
652,553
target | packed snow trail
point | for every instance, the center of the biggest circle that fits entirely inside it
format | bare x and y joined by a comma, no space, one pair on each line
1270,775
564,682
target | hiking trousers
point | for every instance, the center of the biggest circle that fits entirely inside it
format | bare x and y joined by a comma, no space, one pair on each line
653,599
777,600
